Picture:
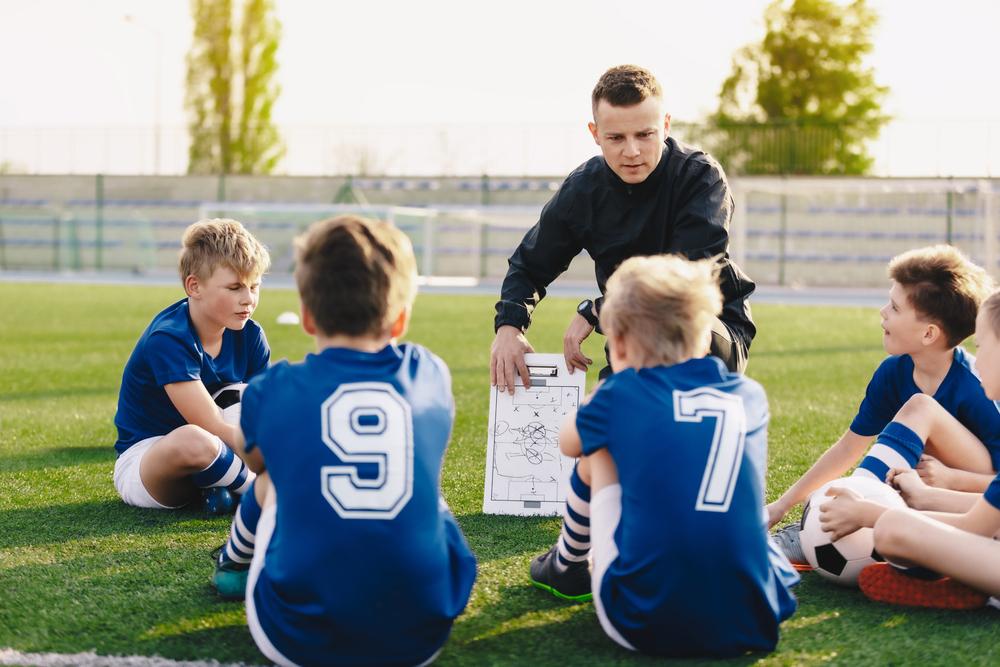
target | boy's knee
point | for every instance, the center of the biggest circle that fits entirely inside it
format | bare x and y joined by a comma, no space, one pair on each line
917,406
194,447
894,534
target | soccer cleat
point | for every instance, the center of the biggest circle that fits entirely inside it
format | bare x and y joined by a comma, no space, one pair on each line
572,584
218,501
229,578
884,583
788,541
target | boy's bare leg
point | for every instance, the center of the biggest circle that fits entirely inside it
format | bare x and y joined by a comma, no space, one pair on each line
945,438
166,468
907,537
600,469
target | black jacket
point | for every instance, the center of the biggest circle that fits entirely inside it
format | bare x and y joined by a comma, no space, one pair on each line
683,207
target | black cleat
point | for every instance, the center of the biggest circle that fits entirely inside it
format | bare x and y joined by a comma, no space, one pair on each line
573,584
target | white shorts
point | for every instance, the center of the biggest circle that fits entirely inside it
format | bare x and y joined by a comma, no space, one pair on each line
128,483
605,512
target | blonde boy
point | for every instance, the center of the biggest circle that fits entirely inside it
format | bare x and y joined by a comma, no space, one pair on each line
933,301
355,558
956,533
172,440
673,447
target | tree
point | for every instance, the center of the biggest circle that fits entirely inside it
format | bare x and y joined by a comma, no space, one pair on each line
231,89
802,101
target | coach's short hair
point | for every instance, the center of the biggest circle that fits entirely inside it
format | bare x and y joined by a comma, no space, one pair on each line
943,286
209,244
625,86
354,274
664,304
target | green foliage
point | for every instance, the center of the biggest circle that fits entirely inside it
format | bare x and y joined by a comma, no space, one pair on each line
231,89
802,101
81,571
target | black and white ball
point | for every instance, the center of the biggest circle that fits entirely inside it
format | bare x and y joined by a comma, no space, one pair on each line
228,399
843,560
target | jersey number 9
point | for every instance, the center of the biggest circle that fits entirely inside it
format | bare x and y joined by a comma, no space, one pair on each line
368,424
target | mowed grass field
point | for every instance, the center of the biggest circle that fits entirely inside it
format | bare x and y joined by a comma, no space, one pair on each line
80,571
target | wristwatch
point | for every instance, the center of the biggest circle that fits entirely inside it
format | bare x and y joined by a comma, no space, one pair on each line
586,310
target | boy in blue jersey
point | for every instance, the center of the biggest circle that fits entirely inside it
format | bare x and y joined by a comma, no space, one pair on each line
956,533
933,301
674,449
355,558
172,438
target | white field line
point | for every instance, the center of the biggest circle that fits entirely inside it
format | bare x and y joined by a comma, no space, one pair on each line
91,659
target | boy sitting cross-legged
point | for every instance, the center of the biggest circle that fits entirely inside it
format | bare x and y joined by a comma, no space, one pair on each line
172,439
673,450
932,308
956,532
355,558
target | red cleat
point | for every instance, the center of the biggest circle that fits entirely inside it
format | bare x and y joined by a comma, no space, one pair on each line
884,583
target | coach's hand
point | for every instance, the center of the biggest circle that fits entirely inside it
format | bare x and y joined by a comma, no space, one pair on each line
507,358
576,333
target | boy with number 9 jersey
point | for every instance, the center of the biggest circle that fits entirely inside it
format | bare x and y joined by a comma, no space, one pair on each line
674,449
356,559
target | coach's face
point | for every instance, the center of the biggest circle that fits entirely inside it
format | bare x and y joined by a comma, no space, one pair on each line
631,138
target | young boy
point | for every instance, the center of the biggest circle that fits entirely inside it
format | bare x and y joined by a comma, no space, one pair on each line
957,538
355,556
673,449
172,439
933,301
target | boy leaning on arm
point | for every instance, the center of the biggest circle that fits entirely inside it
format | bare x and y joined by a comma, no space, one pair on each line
955,534
172,439
933,301
346,552
670,481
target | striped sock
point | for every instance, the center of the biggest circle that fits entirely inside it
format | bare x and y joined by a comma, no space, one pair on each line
242,535
226,470
574,540
896,447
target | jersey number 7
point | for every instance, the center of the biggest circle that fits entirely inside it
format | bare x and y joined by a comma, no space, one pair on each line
728,436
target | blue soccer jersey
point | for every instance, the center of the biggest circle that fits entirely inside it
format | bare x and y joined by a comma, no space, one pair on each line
960,393
696,573
169,351
992,493
366,564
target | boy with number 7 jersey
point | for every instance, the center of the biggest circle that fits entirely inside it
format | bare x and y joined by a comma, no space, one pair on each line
673,448
354,557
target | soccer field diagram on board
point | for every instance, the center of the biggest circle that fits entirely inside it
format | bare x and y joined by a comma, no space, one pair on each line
526,474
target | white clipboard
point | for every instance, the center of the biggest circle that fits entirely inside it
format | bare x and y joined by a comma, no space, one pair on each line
526,474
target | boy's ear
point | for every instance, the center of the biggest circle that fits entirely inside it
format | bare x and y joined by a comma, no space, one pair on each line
932,334
399,325
192,287
308,323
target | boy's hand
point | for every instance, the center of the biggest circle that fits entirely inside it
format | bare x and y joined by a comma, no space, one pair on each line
847,512
909,484
775,512
934,473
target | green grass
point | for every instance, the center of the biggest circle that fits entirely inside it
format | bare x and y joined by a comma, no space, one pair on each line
81,571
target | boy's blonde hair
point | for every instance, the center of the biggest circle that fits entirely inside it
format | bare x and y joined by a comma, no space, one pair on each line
664,304
991,308
209,244
354,274
944,286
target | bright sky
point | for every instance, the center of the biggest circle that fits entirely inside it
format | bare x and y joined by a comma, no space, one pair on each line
79,63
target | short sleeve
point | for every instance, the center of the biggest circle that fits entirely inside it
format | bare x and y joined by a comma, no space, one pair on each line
171,359
250,411
260,355
593,420
992,494
880,403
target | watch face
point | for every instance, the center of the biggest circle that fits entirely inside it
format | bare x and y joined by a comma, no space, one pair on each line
585,306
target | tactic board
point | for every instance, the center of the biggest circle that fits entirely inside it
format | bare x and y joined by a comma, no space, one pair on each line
526,474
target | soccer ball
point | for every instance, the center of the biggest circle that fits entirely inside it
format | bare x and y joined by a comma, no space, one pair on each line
228,399
843,560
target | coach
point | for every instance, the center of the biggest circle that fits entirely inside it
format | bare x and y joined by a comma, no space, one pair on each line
647,194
